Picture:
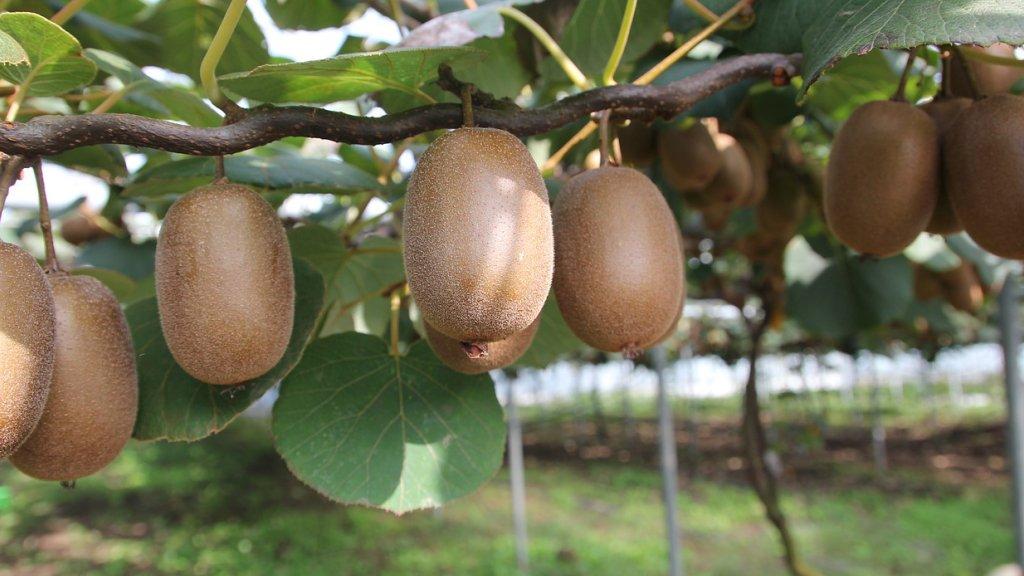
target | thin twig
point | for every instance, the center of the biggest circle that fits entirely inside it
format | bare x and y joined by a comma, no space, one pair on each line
604,135
219,173
52,264
467,105
69,10
901,88
11,169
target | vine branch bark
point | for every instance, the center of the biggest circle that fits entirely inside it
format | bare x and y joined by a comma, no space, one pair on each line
47,135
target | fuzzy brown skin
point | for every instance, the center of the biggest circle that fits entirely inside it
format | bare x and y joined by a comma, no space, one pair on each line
985,174
689,158
479,250
734,183
499,354
27,331
991,79
883,178
225,284
638,143
784,206
95,392
619,274
944,112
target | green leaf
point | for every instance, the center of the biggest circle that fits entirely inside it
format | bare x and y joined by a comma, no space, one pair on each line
351,274
852,83
12,56
363,427
121,255
591,33
161,99
294,174
122,286
840,297
173,405
55,63
186,29
309,14
346,77
105,161
850,27
554,338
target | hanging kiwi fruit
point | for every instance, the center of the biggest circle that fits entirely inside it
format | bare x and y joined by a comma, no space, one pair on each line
984,173
225,284
989,79
944,112
619,276
478,244
734,183
477,361
690,159
27,332
93,401
638,143
883,178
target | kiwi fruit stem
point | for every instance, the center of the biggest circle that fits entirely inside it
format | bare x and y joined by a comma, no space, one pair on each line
396,308
901,89
52,264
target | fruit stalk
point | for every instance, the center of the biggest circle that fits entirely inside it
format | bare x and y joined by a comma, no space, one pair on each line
575,75
69,10
620,44
52,264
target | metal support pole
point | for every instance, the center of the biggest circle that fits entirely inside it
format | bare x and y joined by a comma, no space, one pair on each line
1009,323
517,477
669,465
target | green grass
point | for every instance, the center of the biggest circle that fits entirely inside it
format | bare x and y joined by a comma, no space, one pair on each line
227,506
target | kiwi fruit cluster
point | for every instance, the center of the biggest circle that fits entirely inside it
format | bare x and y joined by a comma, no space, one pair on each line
93,400
950,165
478,242
69,387
225,284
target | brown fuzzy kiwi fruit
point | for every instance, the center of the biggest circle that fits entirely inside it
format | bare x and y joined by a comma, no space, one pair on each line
927,285
716,215
785,205
82,228
94,397
497,355
225,285
985,175
689,158
759,153
945,111
638,143
26,345
479,249
619,274
883,178
962,289
734,183
991,79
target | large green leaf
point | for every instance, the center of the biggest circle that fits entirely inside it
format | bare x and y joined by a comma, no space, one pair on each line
352,275
844,295
309,14
121,255
554,338
347,76
105,161
363,427
186,29
161,99
55,63
591,33
850,27
173,405
294,174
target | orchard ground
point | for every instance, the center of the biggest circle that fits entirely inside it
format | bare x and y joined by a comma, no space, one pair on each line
228,505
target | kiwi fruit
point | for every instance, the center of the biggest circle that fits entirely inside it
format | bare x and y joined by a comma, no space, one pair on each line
991,79
26,345
759,154
883,178
82,228
962,289
785,204
638,143
94,396
479,249
734,183
498,354
690,160
985,175
927,285
619,275
716,214
225,284
945,111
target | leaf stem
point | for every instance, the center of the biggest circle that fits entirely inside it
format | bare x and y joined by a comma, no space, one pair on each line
575,75
208,67
692,43
52,264
471,4
620,44
16,101
396,307
112,99
398,15
901,89
709,15
69,10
